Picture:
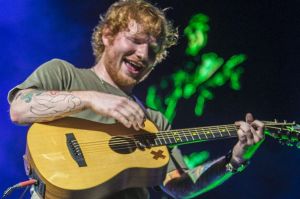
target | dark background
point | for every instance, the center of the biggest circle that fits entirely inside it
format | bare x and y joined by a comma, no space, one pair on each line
33,32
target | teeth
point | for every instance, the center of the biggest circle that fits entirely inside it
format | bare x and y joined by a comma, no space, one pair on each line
134,64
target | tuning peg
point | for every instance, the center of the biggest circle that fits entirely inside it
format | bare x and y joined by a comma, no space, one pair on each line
275,120
284,121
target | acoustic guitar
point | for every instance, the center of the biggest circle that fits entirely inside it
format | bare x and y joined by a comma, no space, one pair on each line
79,159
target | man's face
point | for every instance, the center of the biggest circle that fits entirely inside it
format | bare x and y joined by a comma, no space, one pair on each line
130,56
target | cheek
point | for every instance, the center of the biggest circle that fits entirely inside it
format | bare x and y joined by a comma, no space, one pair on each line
126,47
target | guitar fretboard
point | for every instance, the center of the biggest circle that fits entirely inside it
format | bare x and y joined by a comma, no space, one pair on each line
200,134
190,135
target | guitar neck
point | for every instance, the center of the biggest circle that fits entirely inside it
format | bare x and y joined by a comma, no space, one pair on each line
191,135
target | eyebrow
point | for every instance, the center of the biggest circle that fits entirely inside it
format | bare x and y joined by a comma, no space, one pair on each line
156,45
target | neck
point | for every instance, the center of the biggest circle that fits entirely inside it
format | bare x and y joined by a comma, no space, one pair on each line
102,73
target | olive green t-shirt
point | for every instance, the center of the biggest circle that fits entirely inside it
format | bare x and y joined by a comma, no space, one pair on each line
59,75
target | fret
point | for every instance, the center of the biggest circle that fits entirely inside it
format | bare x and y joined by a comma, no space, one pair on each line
156,140
221,131
173,139
177,137
217,134
162,139
196,134
190,134
208,134
183,132
203,134
229,134
212,133
224,131
169,137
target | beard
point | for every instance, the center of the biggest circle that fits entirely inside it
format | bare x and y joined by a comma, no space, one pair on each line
113,68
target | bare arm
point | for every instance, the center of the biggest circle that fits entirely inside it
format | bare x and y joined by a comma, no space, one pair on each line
32,105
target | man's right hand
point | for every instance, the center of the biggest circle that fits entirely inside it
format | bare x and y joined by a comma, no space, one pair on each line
126,111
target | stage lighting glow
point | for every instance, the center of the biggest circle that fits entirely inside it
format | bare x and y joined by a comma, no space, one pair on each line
198,77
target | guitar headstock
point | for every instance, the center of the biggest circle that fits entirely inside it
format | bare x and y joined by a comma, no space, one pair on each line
287,133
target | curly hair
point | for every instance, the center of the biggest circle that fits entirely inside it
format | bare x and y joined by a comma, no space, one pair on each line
152,19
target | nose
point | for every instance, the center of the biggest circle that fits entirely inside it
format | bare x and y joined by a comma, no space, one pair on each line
142,51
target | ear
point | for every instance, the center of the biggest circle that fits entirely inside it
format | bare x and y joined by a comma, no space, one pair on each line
106,36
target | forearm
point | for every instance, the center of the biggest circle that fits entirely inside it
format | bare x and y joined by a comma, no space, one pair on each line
32,105
198,180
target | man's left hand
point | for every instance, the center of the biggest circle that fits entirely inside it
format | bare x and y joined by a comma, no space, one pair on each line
250,135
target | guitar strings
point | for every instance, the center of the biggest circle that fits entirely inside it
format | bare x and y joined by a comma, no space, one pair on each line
166,136
134,141
170,134
133,147
125,144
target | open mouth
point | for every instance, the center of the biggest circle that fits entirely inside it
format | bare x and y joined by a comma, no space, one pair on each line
132,66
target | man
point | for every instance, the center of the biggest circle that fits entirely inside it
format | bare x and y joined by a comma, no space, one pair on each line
128,42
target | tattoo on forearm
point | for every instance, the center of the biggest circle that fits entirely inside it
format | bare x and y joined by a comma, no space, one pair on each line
49,105
28,96
18,95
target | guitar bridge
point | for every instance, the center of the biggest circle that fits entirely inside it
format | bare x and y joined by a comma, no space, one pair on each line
75,150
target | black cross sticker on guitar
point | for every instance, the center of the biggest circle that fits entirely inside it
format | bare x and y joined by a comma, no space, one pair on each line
158,154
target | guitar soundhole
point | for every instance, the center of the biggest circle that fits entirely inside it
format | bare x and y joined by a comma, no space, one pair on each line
122,145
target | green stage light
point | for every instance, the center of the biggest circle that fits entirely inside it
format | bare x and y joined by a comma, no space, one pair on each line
198,77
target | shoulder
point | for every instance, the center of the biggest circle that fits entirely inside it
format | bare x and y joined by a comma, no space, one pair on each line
55,68
56,64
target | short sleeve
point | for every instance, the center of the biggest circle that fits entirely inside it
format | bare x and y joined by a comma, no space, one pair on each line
52,75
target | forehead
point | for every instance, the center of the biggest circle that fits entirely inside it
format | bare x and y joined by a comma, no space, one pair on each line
136,30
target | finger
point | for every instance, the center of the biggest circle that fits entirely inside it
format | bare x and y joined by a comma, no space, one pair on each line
244,126
249,118
136,118
248,132
127,112
259,126
120,117
142,125
242,136
254,136
238,123
138,113
250,136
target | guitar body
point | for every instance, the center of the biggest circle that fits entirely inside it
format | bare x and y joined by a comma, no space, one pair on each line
77,159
